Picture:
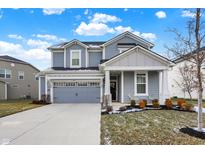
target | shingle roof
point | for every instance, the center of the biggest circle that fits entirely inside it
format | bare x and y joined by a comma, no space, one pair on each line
15,60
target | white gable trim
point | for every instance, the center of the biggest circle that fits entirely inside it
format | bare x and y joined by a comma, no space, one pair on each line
152,54
131,35
75,42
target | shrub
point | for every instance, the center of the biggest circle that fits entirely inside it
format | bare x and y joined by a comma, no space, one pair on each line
132,103
189,106
123,108
183,106
168,103
142,104
180,102
145,101
155,103
109,109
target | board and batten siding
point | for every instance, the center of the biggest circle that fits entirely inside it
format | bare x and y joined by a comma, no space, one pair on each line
75,47
58,59
94,58
136,58
112,49
153,86
42,85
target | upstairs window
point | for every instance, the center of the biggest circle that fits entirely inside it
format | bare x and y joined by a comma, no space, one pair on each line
5,73
20,75
75,58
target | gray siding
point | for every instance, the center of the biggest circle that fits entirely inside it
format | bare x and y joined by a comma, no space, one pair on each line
75,47
137,58
58,59
94,58
112,49
2,91
153,86
42,85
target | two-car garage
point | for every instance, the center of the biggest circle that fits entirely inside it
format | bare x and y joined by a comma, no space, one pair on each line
77,91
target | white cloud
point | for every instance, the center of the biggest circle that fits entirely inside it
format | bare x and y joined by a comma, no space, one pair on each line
161,14
78,17
38,44
104,18
86,12
121,29
49,37
7,47
125,9
1,13
187,13
39,54
92,29
149,36
51,11
15,36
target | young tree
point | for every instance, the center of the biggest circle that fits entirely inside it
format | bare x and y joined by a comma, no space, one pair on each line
190,48
187,81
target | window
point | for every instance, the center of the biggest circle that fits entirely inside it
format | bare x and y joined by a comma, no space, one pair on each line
141,84
75,58
5,73
122,49
20,75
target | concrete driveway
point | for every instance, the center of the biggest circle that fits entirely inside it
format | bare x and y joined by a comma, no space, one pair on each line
53,124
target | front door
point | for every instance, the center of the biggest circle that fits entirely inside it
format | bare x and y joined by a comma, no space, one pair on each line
113,90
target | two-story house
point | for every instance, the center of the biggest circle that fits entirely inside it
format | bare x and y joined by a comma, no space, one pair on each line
17,79
121,68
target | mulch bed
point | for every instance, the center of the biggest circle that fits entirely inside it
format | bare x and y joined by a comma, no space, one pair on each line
192,132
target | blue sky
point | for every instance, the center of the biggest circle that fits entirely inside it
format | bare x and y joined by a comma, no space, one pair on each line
26,33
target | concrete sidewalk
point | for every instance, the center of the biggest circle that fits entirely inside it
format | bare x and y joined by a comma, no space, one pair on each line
53,124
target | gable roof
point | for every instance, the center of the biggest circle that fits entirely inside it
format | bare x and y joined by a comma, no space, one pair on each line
15,60
127,33
133,48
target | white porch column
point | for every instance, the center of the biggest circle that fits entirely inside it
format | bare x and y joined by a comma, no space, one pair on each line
51,91
46,85
6,92
39,88
65,58
165,83
160,89
122,86
107,87
101,90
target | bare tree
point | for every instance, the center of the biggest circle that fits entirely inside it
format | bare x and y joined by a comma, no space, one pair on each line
187,81
189,48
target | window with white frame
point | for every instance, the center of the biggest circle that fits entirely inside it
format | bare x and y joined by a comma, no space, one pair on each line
20,75
5,73
75,58
141,83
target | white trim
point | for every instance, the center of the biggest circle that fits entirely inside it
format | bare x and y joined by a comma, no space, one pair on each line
122,49
103,53
22,74
133,68
101,90
122,86
51,59
71,53
5,91
74,42
73,78
135,83
46,85
128,34
154,55
51,91
65,61
160,88
86,57
39,88
107,82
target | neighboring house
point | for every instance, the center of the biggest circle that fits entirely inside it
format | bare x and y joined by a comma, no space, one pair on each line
17,79
175,78
121,68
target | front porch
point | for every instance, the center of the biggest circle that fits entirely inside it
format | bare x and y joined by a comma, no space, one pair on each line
122,86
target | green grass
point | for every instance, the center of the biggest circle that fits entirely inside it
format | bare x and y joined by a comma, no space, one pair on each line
148,127
13,106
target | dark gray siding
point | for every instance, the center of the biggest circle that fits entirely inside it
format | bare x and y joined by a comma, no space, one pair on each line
94,58
42,85
77,95
75,47
112,49
58,59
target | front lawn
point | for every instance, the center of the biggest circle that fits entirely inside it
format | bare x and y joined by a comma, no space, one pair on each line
14,106
149,127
